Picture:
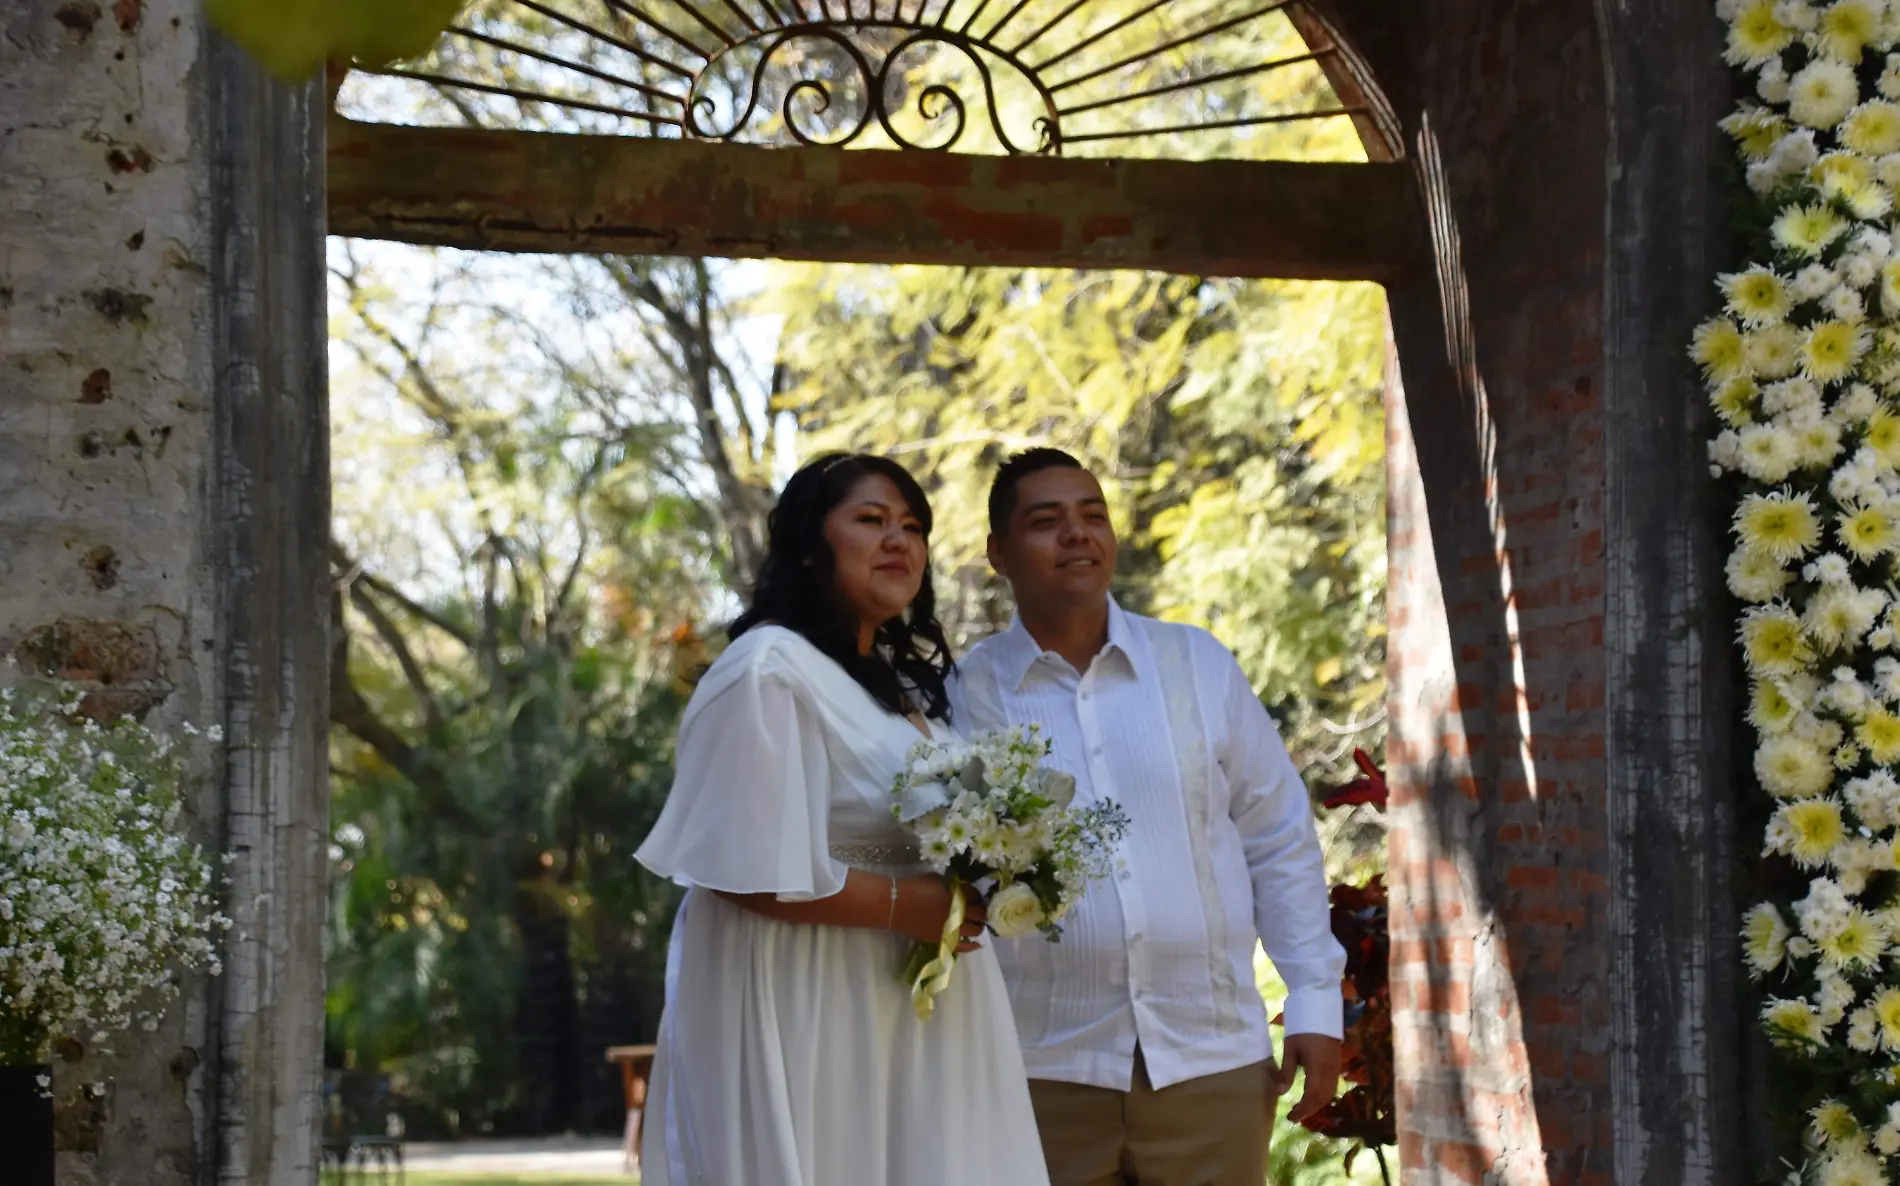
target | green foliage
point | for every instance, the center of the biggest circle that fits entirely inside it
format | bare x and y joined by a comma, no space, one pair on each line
511,640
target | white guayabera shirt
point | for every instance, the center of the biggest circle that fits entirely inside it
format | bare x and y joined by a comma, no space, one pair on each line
1222,849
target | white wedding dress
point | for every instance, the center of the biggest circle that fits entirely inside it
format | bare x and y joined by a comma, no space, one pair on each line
788,1053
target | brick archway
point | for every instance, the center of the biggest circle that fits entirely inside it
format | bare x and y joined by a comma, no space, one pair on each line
1562,688
1539,208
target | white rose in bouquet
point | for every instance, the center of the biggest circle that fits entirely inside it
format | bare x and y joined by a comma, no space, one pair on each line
1014,912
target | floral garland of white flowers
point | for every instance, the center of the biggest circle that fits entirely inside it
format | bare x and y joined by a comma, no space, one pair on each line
102,902
1804,372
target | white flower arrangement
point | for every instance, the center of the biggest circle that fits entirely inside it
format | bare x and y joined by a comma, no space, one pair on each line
102,901
1803,370
987,812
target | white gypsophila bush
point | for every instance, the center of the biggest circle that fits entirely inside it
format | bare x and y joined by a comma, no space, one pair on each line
102,900
1804,373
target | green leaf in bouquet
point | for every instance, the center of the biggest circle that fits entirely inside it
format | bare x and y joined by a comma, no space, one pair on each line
294,38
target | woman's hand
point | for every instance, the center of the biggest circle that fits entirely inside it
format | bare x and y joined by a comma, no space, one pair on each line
923,905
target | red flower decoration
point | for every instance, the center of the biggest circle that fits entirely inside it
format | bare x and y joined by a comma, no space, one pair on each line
1368,788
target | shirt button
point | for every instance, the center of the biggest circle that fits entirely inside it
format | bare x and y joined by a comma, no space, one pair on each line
1098,751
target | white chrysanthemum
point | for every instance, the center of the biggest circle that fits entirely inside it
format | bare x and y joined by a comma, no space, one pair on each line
1829,568
1798,15
1873,128
1863,1030
1772,83
1839,616
1873,798
1832,349
1817,442
1848,483
1813,282
1859,403
1722,352
1756,578
1890,78
1808,230
1879,734
1883,440
1756,36
1734,401
1757,296
1791,397
1817,731
1846,695
1772,641
1758,132
1873,243
1851,1167
1844,304
1777,524
1790,768
1858,270
1793,1023
1835,996
1772,352
1767,452
1764,938
1848,27
1725,453
1887,679
1822,93
1769,708
1887,1136
1869,532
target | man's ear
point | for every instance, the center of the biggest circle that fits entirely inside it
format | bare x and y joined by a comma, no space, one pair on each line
995,549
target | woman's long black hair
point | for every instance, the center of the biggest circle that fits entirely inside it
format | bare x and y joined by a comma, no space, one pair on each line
797,589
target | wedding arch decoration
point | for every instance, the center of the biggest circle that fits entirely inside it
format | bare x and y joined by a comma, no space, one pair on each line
1803,369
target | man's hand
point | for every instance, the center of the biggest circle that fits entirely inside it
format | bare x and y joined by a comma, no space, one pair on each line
1318,1055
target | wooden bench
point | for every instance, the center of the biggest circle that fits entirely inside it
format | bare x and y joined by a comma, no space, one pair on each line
636,1064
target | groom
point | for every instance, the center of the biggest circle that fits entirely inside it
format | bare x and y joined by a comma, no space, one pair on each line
1147,1046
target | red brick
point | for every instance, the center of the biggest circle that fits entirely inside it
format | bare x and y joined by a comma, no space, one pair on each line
1531,877
1467,1163
1446,997
1553,1010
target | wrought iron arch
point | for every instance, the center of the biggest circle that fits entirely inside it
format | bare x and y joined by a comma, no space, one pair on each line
1079,72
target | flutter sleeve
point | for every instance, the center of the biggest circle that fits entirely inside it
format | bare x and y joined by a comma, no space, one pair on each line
748,812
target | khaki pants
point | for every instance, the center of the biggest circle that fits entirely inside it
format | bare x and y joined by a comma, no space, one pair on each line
1204,1132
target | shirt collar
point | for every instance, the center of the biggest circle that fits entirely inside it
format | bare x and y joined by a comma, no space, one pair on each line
1021,651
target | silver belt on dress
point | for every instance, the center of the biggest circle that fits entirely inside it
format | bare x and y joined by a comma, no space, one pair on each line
876,854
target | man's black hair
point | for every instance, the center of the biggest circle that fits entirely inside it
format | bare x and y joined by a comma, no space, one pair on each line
1010,475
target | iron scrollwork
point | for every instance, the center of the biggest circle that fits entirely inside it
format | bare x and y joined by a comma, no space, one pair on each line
938,104
662,62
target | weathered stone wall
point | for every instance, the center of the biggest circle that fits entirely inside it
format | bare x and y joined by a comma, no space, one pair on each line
106,447
163,485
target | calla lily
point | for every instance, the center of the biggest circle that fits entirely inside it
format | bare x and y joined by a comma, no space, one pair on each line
1055,786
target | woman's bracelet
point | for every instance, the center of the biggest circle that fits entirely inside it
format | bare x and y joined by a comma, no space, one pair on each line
890,924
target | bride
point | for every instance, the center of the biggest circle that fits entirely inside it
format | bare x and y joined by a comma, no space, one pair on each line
788,1053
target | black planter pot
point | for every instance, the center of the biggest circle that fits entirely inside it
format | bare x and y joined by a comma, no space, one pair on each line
26,1126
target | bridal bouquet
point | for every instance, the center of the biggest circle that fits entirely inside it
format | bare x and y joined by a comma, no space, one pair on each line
988,812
